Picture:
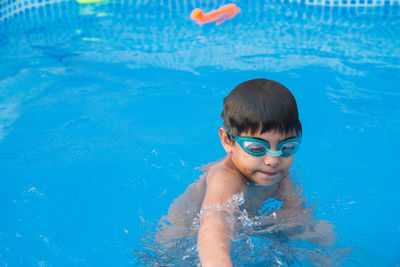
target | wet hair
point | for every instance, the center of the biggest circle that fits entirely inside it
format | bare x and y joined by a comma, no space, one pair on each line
260,104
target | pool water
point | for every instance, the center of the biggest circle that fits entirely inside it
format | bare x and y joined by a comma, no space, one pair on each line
108,110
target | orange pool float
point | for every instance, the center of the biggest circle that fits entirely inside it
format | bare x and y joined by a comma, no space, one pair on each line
219,15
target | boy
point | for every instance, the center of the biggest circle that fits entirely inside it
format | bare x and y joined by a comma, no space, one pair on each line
261,133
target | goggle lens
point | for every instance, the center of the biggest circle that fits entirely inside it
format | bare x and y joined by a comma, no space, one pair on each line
289,148
255,148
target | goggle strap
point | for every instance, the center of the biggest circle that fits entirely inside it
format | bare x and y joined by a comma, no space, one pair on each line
229,134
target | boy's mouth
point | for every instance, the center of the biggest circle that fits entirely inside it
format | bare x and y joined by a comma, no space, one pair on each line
269,174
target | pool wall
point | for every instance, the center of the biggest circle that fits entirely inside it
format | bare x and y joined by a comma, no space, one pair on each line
13,8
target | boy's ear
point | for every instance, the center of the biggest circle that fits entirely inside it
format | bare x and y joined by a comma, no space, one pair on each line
225,140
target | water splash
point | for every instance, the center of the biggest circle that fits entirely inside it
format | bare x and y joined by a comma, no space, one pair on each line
266,239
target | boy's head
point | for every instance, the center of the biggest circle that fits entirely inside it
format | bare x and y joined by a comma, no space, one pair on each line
260,105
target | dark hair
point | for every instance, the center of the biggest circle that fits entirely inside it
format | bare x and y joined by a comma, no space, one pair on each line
260,104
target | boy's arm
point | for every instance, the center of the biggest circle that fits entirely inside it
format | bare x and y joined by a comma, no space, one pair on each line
214,237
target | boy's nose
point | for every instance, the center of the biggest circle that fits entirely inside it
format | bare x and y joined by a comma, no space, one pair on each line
272,161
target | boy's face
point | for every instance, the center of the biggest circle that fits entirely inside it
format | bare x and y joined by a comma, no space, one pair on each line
263,170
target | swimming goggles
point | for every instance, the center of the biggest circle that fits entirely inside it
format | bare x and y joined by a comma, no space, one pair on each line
259,147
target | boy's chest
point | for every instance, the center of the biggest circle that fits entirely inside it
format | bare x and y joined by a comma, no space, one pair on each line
257,201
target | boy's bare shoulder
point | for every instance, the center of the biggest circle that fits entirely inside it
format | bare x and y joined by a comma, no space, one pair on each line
222,183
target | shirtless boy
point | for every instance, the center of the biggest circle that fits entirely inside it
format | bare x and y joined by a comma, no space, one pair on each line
261,133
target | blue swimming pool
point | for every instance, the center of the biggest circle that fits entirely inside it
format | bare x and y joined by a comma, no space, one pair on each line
108,110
